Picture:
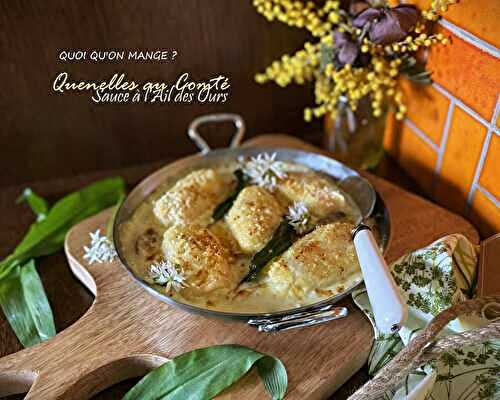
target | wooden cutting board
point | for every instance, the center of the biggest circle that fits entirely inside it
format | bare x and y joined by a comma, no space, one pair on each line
127,332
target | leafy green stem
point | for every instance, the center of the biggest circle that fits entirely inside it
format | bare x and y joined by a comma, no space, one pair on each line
225,206
282,239
22,297
204,373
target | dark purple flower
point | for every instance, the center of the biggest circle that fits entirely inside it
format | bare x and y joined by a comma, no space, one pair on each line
347,50
387,25
348,53
340,38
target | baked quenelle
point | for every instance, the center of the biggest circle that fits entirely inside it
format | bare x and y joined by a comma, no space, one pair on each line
316,264
193,198
254,217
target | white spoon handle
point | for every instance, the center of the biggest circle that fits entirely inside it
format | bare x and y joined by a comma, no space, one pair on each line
389,309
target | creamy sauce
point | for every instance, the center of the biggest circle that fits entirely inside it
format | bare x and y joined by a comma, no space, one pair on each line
141,243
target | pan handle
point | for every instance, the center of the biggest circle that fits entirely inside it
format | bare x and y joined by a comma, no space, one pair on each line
211,118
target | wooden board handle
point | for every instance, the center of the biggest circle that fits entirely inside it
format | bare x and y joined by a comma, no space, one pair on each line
73,365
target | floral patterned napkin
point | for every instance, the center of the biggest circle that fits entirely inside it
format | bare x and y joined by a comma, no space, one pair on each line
432,279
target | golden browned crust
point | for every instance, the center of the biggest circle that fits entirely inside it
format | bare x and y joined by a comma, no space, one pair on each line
253,218
318,262
205,262
193,198
222,232
320,195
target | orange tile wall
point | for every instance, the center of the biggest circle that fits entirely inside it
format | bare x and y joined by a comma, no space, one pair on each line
450,140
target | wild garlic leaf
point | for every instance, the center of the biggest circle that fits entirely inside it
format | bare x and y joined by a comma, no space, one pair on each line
282,239
204,373
37,203
21,292
47,236
25,305
225,205
274,376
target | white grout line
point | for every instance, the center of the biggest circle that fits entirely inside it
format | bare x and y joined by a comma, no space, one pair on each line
477,174
490,196
466,108
444,136
442,145
421,134
482,157
470,38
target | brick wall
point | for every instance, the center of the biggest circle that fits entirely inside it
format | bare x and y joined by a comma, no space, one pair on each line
450,140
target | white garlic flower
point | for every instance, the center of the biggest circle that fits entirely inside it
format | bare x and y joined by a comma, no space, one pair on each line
264,170
298,217
167,274
101,250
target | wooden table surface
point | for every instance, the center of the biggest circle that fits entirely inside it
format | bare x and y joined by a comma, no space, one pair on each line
69,299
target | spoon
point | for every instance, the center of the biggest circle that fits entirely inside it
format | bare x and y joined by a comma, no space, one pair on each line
389,309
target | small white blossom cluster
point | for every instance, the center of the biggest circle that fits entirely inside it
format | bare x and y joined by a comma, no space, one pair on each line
101,249
264,170
165,273
298,217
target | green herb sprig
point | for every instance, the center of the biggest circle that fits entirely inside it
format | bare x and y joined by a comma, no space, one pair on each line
204,373
22,297
282,239
26,306
38,204
221,210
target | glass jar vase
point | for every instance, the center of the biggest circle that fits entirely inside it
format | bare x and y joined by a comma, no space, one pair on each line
355,137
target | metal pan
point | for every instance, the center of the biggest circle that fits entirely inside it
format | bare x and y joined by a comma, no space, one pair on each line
212,158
